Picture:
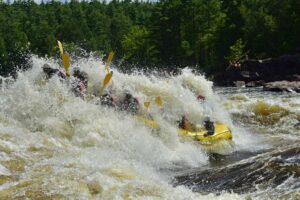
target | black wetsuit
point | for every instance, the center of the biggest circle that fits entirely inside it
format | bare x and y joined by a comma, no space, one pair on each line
209,126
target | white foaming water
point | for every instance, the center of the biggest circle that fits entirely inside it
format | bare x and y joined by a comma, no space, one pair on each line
56,145
271,118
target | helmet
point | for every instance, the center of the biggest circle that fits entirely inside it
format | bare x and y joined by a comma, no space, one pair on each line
49,71
46,66
200,97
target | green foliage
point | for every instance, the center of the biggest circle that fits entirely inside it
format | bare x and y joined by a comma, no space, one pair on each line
237,52
168,32
138,46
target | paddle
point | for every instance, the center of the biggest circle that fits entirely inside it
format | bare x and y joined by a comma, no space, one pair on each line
157,100
109,74
60,47
109,59
65,58
66,62
105,81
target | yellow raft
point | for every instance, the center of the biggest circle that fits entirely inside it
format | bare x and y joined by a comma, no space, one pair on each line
222,132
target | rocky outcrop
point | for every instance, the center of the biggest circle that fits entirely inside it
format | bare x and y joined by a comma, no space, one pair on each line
257,72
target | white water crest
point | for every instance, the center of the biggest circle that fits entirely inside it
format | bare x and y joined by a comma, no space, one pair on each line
57,146
272,117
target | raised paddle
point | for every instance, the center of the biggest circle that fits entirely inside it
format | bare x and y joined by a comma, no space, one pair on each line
60,47
65,58
105,81
109,59
109,73
66,62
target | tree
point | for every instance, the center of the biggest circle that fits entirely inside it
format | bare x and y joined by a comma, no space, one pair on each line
138,46
237,53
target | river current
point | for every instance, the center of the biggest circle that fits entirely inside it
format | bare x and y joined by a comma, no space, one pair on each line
54,145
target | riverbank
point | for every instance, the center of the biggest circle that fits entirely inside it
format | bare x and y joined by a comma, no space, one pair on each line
273,74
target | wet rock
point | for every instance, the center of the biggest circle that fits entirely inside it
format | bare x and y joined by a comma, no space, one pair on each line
282,86
254,84
268,170
239,84
283,68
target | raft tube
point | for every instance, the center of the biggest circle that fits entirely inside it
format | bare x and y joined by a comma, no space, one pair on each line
222,132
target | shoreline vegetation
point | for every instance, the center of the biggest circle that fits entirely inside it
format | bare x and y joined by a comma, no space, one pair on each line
212,36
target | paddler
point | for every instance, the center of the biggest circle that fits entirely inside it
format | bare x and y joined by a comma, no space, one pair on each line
107,100
50,72
209,126
130,104
185,124
80,83
200,98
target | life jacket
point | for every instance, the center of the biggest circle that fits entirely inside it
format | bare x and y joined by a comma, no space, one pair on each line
83,77
61,74
82,87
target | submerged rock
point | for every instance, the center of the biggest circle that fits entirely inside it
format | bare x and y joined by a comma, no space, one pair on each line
267,170
283,86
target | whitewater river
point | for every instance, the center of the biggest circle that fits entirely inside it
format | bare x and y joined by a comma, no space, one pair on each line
54,145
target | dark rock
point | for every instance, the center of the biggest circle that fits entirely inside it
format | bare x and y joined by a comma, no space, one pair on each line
268,170
295,77
283,68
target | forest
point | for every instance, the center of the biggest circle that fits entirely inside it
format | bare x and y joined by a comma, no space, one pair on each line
205,35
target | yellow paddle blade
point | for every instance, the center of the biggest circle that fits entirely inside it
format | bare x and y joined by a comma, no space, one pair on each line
105,81
66,62
101,89
109,59
107,78
147,104
60,47
158,101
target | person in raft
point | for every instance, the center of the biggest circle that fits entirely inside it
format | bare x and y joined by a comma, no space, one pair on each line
130,104
107,100
50,72
185,124
80,83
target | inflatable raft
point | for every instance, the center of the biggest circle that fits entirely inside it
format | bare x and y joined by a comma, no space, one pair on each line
222,132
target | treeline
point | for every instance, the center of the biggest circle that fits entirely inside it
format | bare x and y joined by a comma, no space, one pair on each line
206,34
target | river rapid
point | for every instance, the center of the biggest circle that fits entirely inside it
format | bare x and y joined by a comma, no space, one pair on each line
54,145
